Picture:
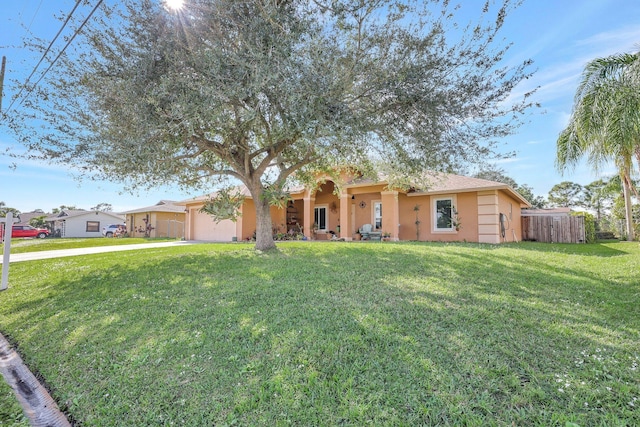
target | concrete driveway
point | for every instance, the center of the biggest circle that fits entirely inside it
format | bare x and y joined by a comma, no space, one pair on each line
31,256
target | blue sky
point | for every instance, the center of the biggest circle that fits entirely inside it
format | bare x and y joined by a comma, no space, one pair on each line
560,37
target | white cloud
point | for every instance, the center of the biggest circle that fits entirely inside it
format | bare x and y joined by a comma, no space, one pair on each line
620,40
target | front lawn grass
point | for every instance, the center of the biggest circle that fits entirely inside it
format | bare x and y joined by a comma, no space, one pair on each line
330,333
51,244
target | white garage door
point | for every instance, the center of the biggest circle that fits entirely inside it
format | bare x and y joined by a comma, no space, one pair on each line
205,228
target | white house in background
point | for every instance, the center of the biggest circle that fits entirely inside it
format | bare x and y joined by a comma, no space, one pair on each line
79,223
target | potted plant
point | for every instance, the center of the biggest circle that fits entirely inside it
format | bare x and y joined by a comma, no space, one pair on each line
386,236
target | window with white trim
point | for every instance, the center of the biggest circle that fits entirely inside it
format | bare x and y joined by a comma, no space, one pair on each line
320,217
443,215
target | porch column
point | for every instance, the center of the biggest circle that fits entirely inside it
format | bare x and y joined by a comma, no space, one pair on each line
345,216
307,215
390,214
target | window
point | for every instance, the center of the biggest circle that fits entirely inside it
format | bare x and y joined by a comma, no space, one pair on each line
320,217
93,226
377,215
443,214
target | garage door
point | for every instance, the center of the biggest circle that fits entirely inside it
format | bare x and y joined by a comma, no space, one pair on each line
205,228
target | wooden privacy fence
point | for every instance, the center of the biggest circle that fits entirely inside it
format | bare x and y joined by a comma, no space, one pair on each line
554,229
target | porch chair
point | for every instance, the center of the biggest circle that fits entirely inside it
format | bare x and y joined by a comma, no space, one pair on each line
367,233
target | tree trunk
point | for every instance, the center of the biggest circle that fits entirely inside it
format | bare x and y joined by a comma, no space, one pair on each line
264,227
626,191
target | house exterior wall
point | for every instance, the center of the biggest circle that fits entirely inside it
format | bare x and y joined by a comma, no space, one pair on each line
169,224
136,225
363,207
247,225
324,197
488,217
511,209
465,204
478,213
491,205
408,216
201,226
76,226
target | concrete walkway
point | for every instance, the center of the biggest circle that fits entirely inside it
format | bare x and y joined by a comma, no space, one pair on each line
31,256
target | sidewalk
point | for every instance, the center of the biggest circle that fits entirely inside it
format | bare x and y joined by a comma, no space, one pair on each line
31,256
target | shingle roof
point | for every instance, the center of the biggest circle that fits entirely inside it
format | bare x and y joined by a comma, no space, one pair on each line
161,206
72,213
436,183
25,217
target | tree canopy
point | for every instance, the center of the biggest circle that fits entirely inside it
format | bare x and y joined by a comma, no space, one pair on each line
4,209
102,207
565,194
261,91
492,173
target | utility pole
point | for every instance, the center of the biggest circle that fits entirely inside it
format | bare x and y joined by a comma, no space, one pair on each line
4,62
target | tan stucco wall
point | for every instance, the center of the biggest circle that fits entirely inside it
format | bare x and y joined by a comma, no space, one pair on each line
247,224
364,215
478,213
136,221
325,197
511,208
465,203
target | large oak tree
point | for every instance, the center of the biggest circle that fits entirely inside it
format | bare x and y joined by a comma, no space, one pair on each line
261,91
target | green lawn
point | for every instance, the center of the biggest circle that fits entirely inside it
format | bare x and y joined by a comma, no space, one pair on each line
35,245
331,333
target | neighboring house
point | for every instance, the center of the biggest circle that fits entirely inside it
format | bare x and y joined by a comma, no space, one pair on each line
80,223
454,208
26,217
164,219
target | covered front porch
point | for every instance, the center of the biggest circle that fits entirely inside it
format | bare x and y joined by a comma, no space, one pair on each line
321,214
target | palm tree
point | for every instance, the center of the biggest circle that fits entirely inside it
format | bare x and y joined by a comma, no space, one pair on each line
605,122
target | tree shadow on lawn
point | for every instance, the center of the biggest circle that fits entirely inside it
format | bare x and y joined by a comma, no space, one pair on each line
391,335
612,249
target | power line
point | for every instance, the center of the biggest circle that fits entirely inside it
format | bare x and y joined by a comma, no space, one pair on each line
75,33
45,52
33,18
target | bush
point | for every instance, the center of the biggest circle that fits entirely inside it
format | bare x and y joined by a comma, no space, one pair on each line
589,226
605,235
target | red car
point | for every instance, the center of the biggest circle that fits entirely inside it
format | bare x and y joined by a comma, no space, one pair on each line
28,231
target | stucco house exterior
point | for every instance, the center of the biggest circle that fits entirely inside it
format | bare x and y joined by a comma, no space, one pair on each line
453,208
164,219
80,223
